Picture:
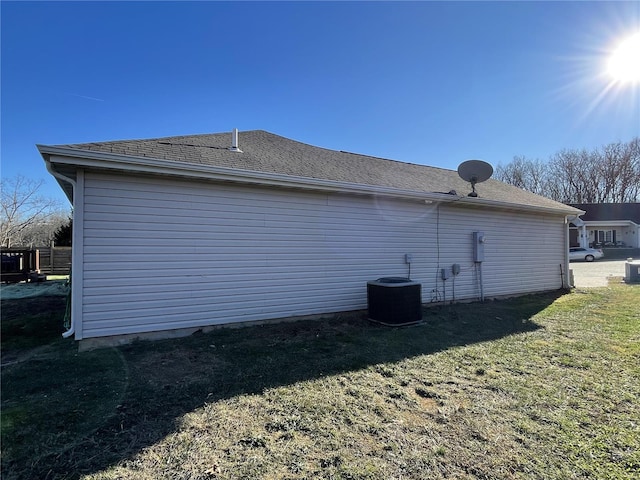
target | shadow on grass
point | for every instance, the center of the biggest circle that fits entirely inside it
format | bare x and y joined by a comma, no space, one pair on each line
132,397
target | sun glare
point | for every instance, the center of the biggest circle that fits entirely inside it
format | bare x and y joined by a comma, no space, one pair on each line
624,63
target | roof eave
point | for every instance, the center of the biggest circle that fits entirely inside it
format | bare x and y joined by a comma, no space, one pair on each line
127,163
66,184
610,223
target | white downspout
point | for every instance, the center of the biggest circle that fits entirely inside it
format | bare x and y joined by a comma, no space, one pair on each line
58,175
566,279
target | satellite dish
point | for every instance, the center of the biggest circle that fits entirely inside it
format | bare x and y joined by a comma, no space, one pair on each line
475,171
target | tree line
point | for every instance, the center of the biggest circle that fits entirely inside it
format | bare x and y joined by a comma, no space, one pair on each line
610,174
29,219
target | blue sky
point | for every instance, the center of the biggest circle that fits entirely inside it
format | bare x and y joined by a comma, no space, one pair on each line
433,83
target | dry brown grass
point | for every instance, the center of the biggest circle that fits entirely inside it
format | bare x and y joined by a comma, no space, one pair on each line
544,386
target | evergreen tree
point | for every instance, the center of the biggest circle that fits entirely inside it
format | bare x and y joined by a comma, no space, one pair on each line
63,235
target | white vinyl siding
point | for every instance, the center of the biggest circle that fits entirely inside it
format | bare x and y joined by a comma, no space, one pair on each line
162,253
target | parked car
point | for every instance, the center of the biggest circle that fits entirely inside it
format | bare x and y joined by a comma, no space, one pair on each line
586,254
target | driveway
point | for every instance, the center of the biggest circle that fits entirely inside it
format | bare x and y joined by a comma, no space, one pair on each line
596,274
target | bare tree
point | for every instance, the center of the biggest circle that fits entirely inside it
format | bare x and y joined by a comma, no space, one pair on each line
26,217
610,174
42,233
621,172
572,171
524,173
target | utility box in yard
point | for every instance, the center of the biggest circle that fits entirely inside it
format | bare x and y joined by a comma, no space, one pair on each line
632,271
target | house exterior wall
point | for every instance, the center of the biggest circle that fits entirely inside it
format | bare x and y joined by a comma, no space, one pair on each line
627,232
160,253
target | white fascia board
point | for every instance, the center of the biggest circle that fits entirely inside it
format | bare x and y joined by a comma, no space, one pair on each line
567,211
610,223
133,164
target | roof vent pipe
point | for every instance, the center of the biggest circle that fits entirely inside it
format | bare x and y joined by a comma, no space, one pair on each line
234,141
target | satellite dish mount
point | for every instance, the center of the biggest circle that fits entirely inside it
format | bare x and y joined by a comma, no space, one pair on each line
475,171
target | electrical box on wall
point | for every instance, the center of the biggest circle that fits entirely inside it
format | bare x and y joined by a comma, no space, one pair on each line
478,246
444,274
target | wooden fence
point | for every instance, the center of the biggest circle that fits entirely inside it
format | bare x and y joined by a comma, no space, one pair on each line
19,264
55,260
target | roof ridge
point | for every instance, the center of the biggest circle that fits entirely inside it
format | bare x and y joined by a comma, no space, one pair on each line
397,161
217,134
157,139
356,154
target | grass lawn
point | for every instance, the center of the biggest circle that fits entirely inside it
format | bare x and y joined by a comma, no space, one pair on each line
544,386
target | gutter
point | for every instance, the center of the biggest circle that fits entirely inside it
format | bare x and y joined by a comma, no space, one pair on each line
611,223
59,176
576,220
103,160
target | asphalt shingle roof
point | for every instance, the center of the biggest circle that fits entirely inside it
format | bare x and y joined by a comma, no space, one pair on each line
266,152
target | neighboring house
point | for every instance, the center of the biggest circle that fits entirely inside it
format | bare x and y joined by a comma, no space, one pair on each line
180,233
607,225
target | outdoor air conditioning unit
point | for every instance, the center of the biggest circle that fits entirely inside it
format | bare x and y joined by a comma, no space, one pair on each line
394,301
632,271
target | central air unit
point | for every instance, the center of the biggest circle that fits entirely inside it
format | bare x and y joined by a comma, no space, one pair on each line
394,301
632,271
